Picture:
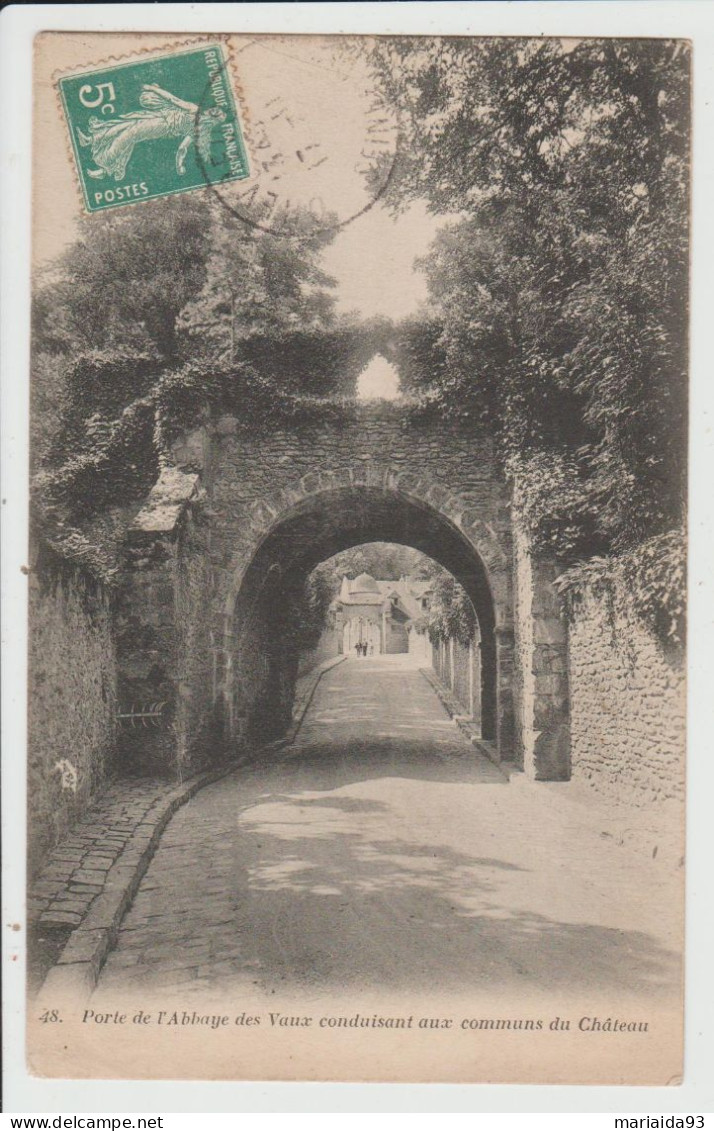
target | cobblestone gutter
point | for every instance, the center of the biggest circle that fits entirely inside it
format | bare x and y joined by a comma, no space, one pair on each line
92,877
76,870
77,903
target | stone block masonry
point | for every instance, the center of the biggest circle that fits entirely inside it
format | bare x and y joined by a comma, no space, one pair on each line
194,652
165,648
72,699
628,704
284,499
458,667
541,697
196,656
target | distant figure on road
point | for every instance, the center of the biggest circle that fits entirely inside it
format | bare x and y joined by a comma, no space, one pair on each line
358,648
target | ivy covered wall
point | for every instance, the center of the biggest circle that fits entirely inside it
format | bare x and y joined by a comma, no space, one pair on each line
72,703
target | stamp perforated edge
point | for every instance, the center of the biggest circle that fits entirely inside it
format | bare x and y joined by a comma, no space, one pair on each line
155,51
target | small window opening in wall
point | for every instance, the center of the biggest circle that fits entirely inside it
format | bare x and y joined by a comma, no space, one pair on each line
378,381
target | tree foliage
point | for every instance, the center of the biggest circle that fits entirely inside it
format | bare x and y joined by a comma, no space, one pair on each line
257,286
161,312
451,615
156,313
126,278
560,290
387,561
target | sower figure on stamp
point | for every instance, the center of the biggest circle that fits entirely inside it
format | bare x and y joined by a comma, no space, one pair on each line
164,116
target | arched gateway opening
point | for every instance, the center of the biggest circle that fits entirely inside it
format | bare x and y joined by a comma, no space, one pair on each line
260,663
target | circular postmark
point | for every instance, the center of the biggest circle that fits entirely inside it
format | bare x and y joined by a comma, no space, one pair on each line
322,143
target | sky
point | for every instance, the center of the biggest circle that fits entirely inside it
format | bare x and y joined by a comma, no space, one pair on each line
303,97
379,380
373,261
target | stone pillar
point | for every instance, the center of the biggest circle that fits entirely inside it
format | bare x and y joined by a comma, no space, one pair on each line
504,693
543,728
151,634
146,636
476,712
471,678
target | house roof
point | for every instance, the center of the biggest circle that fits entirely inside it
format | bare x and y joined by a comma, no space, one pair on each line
366,590
365,583
361,599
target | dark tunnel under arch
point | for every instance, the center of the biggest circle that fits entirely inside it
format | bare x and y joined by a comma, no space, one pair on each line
324,524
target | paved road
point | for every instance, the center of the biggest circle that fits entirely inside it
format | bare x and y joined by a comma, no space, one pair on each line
381,850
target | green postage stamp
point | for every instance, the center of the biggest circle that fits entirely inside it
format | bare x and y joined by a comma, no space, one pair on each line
155,126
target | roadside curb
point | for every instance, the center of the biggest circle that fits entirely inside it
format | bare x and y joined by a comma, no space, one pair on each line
77,970
464,722
302,705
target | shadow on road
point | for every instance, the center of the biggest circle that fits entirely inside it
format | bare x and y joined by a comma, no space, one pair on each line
393,914
331,767
280,883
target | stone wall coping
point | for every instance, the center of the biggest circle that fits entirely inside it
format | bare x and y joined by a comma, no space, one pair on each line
166,503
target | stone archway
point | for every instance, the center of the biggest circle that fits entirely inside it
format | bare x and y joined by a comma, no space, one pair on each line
420,490
242,516
295,529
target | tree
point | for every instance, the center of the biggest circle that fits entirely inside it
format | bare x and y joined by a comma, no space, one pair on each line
130,339
387,561
124,281
451,614
560,289
258,286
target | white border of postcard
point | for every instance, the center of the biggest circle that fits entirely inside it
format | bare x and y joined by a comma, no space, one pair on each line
676,18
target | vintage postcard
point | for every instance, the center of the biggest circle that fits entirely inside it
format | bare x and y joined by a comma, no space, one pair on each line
356,579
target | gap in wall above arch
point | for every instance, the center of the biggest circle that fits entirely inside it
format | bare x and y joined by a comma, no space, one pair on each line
378,381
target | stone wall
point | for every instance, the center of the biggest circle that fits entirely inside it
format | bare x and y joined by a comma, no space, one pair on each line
328,646
441,662
72,701
420,647
365,473
628,706
542,740
167,653
198,729
463,679
252,479
458,667
396,638
200,624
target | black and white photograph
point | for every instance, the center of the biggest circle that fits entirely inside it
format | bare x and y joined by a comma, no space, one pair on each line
356,580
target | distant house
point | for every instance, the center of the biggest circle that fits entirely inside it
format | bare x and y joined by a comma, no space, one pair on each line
387,616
